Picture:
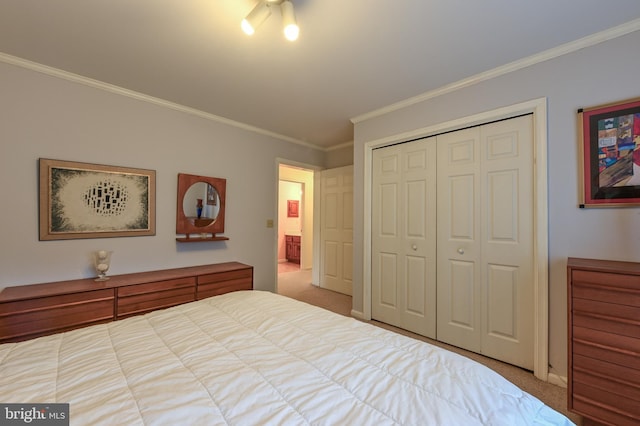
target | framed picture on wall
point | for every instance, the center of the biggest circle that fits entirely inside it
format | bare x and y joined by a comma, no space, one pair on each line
610,161
292,208
82,200
212,198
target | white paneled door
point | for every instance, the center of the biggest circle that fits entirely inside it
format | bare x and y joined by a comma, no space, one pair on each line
336,229
477,291
485,240
404,236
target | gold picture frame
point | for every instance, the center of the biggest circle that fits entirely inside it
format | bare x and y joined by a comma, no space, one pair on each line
85,200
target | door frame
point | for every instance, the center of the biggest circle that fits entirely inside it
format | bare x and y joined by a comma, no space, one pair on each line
540,226
315,231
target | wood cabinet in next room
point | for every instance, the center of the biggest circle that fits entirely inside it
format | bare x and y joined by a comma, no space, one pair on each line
293,248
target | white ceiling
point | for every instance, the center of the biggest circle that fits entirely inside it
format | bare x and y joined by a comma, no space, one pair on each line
352,57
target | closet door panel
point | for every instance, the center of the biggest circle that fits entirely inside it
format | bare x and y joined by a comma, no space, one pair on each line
507,240
458,272
485,234
475,210
385,236
404,229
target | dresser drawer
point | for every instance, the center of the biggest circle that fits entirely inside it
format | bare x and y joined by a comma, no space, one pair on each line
224,282
594,396
603,413
608,347
142,298
606,287
609,377
26,319
609,317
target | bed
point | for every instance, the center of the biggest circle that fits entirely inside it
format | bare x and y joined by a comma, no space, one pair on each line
257,358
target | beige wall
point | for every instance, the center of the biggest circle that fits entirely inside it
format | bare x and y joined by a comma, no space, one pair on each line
339,156
569,82
42,116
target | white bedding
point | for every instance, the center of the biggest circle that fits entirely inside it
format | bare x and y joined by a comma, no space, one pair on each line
256,358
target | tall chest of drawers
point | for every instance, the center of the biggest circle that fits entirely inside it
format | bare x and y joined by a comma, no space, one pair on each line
604,340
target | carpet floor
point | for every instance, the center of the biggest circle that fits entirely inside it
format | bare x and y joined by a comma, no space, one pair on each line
297,285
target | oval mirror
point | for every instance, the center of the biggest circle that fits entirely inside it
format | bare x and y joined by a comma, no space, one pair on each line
200,209
201,204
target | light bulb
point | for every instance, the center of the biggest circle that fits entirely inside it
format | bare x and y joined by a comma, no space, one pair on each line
256,17
291,29
291,32
246,27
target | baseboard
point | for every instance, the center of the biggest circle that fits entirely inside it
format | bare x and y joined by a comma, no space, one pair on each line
554,379
357,315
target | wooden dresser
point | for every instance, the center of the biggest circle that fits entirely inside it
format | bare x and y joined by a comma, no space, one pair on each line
604,341
30,311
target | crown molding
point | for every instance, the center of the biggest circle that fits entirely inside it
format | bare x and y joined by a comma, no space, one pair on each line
339,146
96,84
555,52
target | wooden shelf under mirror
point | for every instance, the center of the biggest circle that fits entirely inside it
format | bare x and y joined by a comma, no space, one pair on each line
200,208
200,239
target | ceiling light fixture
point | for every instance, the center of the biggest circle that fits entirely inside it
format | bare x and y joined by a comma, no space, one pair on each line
291,29
263,10
256,17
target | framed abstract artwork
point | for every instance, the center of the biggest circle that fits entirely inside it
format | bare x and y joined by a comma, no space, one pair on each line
82,200
610,161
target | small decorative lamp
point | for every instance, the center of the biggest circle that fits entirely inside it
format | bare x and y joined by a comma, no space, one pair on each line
102,260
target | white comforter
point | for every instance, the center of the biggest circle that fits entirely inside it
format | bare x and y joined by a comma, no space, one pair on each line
256,358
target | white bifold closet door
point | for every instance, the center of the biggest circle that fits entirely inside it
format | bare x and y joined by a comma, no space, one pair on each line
404,236
483,288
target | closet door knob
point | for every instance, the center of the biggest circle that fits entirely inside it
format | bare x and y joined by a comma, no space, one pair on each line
461,250
414,247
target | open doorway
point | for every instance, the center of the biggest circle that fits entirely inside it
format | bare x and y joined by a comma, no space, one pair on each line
295,246
290,219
